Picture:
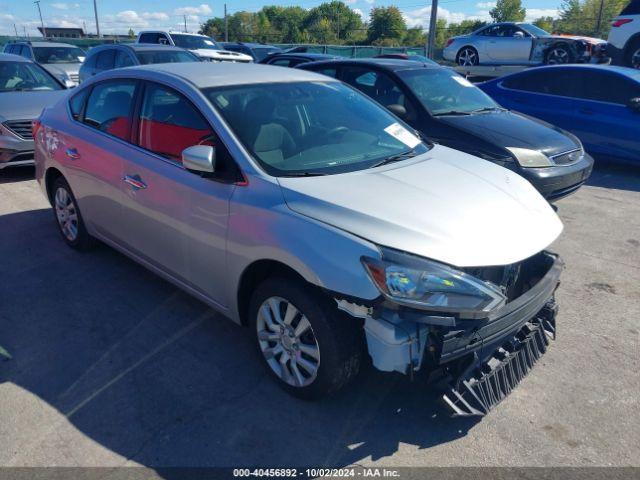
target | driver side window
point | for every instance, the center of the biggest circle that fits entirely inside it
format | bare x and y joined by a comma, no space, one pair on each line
169,123
109,108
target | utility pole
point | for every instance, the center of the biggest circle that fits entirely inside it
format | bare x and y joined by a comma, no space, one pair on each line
15,29
44,32
432,28
226,24
185,23
95,11
599,21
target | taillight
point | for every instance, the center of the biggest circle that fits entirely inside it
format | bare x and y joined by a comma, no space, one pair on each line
621,21
35,126
449,42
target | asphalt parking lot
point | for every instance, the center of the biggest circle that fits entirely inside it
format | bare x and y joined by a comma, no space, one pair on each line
104,364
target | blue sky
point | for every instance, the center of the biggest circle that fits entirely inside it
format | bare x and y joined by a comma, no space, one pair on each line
117,16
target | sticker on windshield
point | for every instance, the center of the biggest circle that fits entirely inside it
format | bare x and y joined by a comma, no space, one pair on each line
462,81
398,132
81,59
208,42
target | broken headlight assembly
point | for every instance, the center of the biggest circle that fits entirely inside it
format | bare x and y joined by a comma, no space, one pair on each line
428,285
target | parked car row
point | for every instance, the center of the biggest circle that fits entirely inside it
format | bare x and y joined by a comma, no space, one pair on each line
294,204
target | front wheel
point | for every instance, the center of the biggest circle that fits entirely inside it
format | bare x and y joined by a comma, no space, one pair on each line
559,55
308,346
68,217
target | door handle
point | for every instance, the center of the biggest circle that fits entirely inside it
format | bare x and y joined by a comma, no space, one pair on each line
135,182
72,153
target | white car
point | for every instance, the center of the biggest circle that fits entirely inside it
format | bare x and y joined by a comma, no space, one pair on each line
204,47
624,37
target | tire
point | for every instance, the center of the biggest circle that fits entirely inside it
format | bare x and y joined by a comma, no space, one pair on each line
327,353
559,54
632,57
467,57
68,217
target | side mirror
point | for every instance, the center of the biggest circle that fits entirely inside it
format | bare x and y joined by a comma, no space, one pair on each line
397,110
634,104
518,35
199,158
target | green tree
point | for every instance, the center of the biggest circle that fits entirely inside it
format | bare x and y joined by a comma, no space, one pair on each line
508,11
386,26
545,23
335,15
131,33
415,36
213,27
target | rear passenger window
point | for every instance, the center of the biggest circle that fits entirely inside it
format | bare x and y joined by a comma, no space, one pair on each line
282,62
169,123
606,87
105,60
329,72
123,59
77,103
109,108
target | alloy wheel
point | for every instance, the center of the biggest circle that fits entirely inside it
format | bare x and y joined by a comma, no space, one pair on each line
635,59
288,342
467,58
66,214
558,56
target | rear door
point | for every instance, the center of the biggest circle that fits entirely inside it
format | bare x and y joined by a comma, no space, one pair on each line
92,151
603,120
176,219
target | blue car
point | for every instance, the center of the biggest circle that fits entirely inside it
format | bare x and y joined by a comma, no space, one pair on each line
599,104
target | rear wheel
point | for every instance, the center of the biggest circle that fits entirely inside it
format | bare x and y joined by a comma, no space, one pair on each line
558,55
467,57
308,346
633,55
68,217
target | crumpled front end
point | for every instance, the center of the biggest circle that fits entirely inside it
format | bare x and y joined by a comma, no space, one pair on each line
484,357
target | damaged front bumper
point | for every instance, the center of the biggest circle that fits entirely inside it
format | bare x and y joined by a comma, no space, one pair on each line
484,357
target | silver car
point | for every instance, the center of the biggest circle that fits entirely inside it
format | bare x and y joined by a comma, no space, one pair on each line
62,60
517,43
25,89
295,205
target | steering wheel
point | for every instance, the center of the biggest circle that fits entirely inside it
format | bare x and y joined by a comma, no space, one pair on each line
336,132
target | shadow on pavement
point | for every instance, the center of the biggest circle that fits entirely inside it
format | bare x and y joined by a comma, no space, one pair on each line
618,176
155,376
16,174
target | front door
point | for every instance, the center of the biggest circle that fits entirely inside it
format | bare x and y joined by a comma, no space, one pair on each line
177,219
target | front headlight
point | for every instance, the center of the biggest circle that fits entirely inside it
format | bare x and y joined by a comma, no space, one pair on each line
530,158
425,284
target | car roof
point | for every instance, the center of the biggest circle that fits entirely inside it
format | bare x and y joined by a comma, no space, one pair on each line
627,72
207,74
138,47
171,32
10,57
250,44
391,64
49,44
305,55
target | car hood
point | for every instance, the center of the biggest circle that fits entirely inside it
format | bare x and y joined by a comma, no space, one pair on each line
444,205
591,40
224,55
27,105
58,69
510,129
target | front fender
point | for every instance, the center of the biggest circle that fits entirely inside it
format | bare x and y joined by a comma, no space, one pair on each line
262,227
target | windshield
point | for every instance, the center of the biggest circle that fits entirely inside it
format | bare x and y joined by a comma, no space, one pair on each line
312,128
442,91
194,42
59,54
533,30
148,57
23,76
263,52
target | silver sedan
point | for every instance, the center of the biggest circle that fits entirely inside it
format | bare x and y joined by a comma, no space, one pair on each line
292,203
